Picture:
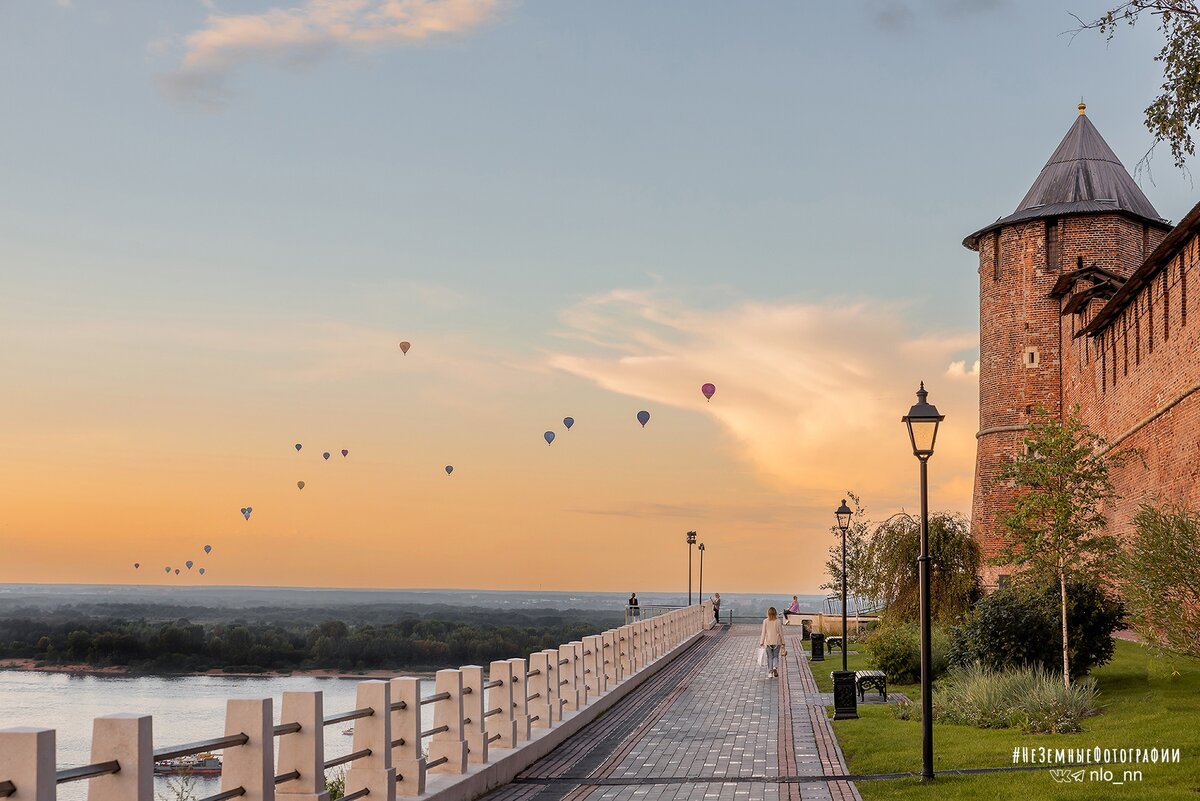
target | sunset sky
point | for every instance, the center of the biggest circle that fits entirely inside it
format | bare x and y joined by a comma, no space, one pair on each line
218,219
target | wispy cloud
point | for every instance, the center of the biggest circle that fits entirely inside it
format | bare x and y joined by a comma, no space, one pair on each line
810,393
303,34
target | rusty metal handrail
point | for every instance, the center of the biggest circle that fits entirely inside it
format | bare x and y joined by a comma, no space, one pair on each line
287,777
191,749
333,763
286,728
365,712
439,761
443,696
493,683
436,730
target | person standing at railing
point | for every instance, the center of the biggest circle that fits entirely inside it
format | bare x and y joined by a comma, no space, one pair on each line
793,608
635,611
716,602
772,640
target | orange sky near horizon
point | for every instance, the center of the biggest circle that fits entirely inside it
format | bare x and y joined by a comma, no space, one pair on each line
144,446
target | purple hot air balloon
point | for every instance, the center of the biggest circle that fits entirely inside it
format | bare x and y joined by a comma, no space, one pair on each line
208,549
643,417
298,446
325,456
709,390
188,564
449,469
568,422
548,436
345,453
202,571
246,510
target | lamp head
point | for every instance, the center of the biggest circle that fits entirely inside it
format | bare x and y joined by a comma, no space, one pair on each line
843,516
922,421
691,538
701,546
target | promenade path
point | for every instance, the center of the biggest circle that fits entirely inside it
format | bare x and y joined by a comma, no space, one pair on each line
709,727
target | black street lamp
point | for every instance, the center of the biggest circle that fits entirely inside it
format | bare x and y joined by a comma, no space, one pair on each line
691,540
700,591
922,421
845,706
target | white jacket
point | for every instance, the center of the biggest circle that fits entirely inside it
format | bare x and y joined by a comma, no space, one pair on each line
772,632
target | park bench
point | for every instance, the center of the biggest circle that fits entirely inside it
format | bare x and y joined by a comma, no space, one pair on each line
833,642
876,679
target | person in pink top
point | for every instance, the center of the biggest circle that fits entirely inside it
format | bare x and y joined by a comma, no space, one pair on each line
772,640
793,608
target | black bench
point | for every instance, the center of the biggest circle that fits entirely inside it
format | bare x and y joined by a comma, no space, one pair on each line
875,679
833,642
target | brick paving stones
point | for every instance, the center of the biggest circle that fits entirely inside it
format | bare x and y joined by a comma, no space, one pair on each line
710,727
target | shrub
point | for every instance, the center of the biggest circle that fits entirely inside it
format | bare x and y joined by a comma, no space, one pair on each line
1032,699
895,649
1164,605
1021,626
904,709
335,784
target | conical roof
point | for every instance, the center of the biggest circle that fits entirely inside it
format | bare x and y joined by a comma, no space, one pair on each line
1083,176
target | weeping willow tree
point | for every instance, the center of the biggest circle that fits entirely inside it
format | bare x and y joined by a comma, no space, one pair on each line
890,569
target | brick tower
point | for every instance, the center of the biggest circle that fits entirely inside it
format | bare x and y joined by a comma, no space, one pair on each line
1084,210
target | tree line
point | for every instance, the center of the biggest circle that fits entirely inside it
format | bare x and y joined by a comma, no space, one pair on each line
183,646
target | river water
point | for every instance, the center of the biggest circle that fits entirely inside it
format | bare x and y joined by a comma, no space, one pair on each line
185,709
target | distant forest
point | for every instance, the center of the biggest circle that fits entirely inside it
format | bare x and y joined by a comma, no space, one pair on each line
413,637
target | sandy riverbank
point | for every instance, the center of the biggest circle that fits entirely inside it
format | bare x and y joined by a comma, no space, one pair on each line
91,670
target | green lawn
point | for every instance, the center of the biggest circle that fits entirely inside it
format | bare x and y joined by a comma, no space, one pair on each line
1145,706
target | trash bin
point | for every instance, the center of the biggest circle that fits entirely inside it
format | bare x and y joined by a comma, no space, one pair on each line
818,646
805,629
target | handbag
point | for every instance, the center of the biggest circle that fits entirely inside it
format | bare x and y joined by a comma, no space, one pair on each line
762,655
782,651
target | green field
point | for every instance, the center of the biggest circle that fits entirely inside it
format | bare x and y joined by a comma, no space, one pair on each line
1149,701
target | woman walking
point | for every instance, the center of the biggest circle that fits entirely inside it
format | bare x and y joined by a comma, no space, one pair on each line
772,640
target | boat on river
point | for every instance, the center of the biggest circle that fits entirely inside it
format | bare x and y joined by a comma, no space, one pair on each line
198,765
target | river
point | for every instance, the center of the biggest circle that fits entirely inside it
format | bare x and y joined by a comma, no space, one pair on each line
185,709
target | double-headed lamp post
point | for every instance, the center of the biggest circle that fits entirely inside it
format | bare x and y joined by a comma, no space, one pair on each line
700,591
691,540
845,706
922,421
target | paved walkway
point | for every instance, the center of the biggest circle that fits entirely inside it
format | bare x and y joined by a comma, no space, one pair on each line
709,727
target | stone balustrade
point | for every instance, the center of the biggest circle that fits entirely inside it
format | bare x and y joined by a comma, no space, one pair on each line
486,728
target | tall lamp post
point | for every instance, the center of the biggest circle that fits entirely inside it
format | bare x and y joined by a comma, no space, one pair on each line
700,591
845,705
922,421
691,540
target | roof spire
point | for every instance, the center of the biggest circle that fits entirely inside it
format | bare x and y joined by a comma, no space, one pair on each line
1082,106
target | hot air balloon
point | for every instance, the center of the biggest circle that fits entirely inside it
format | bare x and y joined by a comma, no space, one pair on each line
643,417
568,422
246,510
709,390
549,436
449,469
208,549
202,571
136,565
188,564
177,571
300,485
345,453
298,446
404,346
325,456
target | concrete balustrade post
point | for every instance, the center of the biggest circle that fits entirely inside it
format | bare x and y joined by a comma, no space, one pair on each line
554,696
250,766
568,687
502,723
407,757
635,643
541,713
520,693
27,760
593,665
474,726
449,713
302,751
611,658
646,644
128,739
374,771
